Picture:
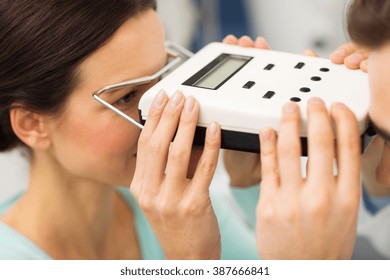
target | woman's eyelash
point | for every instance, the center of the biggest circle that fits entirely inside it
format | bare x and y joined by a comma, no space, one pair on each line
126,98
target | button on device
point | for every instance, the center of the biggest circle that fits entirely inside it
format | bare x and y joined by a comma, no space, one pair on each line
299,65
269,94
269,66
249,84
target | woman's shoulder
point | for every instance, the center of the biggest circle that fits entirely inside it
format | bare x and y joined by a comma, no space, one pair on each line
7,204
14,246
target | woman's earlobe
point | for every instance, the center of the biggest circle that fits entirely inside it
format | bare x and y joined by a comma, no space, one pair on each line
30,128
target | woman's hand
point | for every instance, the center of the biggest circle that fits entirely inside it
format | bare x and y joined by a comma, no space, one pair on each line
243,168
312,218
178,209
350,55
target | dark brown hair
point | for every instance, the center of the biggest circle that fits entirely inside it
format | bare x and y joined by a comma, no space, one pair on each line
42,42
369,22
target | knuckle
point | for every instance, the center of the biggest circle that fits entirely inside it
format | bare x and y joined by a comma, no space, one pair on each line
269,169
177,155
207,167
291,216
352,143
349,205
147,205
154,146
265,212
267,151
166,209
191,210
318,206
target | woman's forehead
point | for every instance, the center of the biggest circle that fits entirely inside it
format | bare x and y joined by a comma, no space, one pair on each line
129,54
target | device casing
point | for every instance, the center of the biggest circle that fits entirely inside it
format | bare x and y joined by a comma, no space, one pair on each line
274,79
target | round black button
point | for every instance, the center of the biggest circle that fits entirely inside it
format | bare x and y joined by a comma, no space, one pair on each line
295,99
305,89
324,69
316,78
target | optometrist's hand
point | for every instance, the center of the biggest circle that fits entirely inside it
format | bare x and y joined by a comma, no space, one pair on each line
243,168
178,209
313,217
350,55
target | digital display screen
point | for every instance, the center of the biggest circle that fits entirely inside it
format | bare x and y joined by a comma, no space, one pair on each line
219,71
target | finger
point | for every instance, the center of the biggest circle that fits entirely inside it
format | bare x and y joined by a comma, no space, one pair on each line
246,41
348,148
354,60
231,40
180,152
339,55
158,146
209,159
269,161
364,65
289,146
261,43
320,143
154,115
310,53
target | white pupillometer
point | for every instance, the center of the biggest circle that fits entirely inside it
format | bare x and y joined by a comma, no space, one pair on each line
244,90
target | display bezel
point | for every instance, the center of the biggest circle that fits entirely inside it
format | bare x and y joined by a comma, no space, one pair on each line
209,68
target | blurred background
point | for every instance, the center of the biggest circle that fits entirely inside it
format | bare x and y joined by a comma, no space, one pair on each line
293,25
288,25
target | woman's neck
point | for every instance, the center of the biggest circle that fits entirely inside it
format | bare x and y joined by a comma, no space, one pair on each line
59,210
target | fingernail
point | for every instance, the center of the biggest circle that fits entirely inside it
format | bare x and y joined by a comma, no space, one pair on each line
261,42
159,99
260,39
265,134
339,105
290,107
355,58
190,103
316,100
176,98
340,52
212,129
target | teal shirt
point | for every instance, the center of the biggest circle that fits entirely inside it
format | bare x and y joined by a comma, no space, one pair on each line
237,236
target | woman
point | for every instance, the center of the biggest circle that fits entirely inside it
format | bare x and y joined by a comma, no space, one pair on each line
54,55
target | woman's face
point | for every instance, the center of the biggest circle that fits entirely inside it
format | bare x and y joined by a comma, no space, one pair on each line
90,142
379,69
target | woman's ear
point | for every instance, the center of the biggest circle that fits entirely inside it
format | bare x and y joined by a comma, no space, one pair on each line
30,128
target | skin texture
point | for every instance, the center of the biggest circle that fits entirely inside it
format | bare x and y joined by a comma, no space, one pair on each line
376,158
179,210
297,218
378,62
71,209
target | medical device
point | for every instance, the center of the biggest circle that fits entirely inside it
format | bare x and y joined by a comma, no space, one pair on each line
244,90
